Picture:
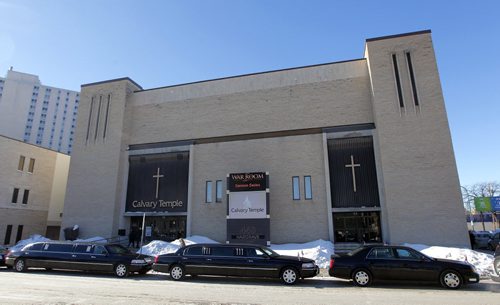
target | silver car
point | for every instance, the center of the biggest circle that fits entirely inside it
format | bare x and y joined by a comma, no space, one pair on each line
481,239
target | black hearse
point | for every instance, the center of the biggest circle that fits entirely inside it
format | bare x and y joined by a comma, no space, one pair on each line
234,260
79,256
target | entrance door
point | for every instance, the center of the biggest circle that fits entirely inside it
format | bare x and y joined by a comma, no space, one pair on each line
167,228
357,227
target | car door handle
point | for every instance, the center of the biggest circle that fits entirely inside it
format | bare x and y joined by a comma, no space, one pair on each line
250,260
73,255
92,256
209,259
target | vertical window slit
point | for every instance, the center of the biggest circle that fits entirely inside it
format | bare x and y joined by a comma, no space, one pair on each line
106,118
90,119
398,81
412,79
97,119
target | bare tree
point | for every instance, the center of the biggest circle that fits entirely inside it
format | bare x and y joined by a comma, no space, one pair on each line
482,189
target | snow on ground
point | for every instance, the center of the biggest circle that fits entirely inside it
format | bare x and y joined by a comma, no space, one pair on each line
482,261
158,247
318,250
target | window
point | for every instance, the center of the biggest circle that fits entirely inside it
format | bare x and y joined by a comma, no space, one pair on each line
100,250
218,191
398,81
407,254
412,79
21,163
208,192
381,253
14,195
25,196
296,188
31,166
19,234
307,187
8,232
194,251
222,251
58,247
36,247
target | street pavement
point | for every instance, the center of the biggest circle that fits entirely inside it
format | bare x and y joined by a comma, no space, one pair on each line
67,287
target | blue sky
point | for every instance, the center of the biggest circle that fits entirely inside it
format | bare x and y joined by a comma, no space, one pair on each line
158,43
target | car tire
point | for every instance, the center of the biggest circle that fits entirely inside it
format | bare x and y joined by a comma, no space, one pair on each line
289,275
121,270
496,264
361,277
20,265
451,279
177,272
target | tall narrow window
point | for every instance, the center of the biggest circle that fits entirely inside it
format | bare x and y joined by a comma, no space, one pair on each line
15,194
19,234
307,187
31,166
295,188
90,119
8,233
106,118
218,191
208,192
25,196
20,166
97,119
412,79
398,80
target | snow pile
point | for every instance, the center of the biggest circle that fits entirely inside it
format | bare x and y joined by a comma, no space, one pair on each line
32,239
482,261
158,247
318,250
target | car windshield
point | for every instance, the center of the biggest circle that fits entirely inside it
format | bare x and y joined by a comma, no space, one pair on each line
269,252
117,249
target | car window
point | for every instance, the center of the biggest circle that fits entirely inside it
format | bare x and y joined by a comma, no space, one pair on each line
193,251
222,251
36,247
253,252
381,253
117,249
406,254
58,247
100,250
83,249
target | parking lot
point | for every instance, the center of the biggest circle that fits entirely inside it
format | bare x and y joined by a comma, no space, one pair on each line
59,287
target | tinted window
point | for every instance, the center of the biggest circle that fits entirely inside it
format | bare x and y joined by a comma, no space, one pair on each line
58,247
117,249
194,251
100,250
406,254
252,252
222,251
83,249
381,253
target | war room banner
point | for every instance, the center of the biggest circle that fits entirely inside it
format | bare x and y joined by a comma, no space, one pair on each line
248,218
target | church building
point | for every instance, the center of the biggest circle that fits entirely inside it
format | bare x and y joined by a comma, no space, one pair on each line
357,151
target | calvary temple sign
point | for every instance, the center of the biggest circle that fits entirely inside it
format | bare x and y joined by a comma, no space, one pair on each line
248,208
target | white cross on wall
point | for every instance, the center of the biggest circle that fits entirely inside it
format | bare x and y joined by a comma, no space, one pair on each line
157,176
352,166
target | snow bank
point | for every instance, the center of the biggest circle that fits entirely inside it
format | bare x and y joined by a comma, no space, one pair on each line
158,247
318,250
482,261
32,239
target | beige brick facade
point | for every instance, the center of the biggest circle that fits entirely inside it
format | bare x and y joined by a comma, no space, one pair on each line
278,122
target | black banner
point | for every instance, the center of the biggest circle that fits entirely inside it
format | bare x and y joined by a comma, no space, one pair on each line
253,231
247,182
158,183
353,176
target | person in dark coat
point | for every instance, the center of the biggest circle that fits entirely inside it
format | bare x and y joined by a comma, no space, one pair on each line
131,237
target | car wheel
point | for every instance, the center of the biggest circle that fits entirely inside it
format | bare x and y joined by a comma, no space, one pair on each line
177,272
121,270
20,265
451,279
361,277
497,267
289,276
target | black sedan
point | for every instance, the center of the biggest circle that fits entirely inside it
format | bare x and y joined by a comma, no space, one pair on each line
234,260
3,253
79,256
369,263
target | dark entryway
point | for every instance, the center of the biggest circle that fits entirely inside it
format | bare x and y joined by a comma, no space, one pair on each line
167,228
357,227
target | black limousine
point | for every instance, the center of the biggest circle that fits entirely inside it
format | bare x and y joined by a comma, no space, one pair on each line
396,263
234,260
79,256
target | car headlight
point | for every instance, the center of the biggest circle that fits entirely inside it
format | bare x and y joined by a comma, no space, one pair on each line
148,260
138,261
307,265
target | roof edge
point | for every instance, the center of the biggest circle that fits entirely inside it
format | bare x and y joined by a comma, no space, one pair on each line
113,80
398,35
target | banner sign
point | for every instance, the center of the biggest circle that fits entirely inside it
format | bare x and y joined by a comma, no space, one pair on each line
495,203
158,183
248,218
482,204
